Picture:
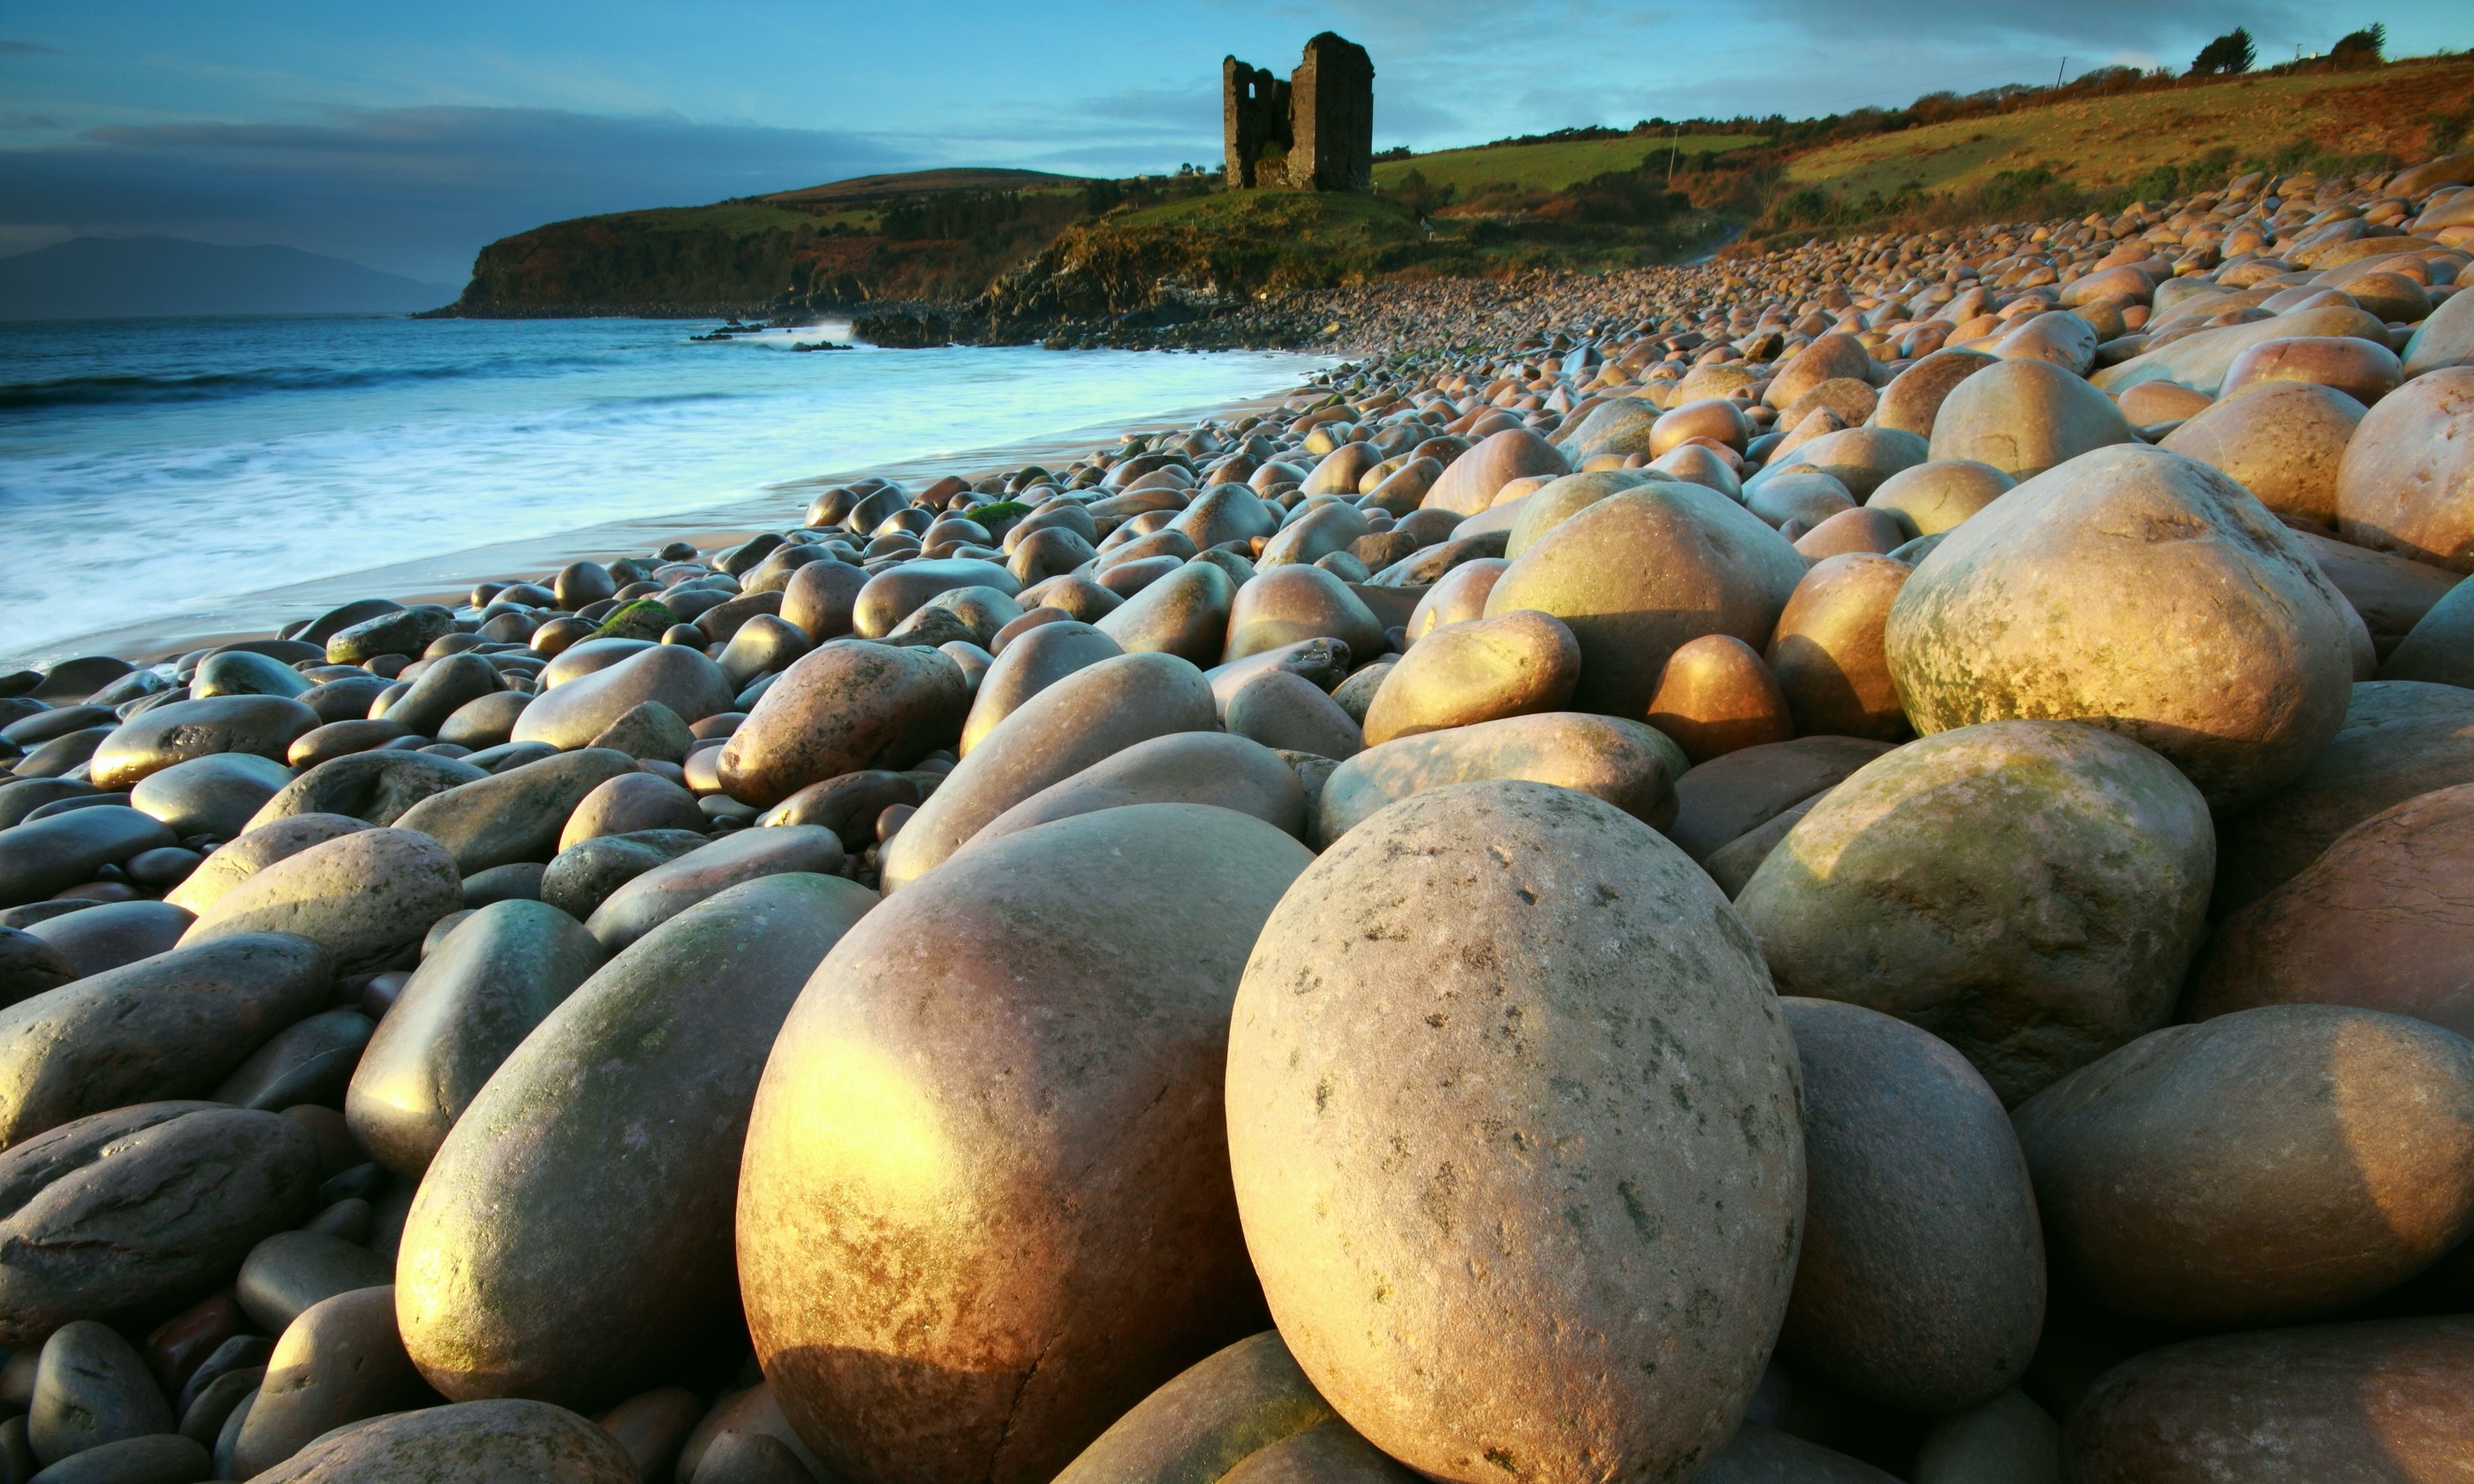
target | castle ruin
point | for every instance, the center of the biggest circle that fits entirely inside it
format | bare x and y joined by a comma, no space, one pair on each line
1312,133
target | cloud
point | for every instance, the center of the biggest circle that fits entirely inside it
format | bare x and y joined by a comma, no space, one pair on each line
27,49
410,190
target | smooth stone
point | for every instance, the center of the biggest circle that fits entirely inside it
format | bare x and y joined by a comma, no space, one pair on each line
519,881
62,754
1764,1455
1283,709
2401,487
1190,767
485,721
646,901
91,1388
847,806
2439,647
465,1009
2009,1440
142,1207
1921,1284
2257,1168
892,596
1184,613
1828,652
846,707
443,690
494,1442
1627,764
2200,361
1805,497
291,1271
1515,664
752,1458
526,1262
1458,596
113,934
2400,738
1216,1414
1852,531
377,787
1715,696
160,1458
211,1405
517,815
337,739
365,898
1038,659
344,700
583,876
2284,443
239,673
2360,369
47,856
237,859
213,796
1471,482
764,643
1560,499
1286,605
820,596
170,1026
1088,715
1831,357
2024,417
1732,864
1356,694
753,1410
575,712
590,657
305,1065
2378,921
2080,861
75,679
627,804
1065,1051
30,966
1383,1130
2024,612
2390,594
24,796
1936,496
1913,401
401,631
1321,663
2371,1402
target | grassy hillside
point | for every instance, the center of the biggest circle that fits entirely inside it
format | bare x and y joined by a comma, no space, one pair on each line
1552,165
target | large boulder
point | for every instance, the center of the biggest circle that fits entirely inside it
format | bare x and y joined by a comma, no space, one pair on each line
1090,714
2400,738
154,740
1004,1086
137,1211
844,707
2263,1166
1213,768
60,851
1921,1282
1031,662
171,1026
1285,605
2200,360
1726,797
2360,1401
2047,605
2406,481
573,1231
2283,442
473,1001
1625,763
339,1362
238,859
648,900
376,787
2024,417
1642,572
2029,891
1507,1083
2384,918
1471,481
1828,652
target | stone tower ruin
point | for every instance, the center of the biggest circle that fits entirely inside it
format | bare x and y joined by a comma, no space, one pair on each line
1312,133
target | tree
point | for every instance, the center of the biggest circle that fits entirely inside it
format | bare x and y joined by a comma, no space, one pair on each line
2228,54
2361,48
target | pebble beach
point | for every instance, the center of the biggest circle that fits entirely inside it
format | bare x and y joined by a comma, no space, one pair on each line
1848,863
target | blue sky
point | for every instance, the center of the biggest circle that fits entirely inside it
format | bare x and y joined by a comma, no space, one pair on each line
405,136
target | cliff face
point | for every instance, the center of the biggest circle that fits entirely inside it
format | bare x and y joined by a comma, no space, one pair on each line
844,247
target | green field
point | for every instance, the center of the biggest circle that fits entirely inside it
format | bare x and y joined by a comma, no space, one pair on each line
2108,141
1548,167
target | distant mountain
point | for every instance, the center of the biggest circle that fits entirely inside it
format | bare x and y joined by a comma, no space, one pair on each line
123,278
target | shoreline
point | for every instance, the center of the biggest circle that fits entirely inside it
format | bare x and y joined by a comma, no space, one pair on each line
447,576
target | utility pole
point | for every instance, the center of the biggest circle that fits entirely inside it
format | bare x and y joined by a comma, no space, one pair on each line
2058,71
1674,142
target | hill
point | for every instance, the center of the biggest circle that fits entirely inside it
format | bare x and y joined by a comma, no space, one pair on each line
126,277
1002,253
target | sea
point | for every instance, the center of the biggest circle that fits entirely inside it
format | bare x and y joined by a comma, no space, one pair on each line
157,468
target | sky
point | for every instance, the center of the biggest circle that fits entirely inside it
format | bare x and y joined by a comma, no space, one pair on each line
406,136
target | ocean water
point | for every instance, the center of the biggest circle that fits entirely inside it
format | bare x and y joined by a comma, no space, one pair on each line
154,468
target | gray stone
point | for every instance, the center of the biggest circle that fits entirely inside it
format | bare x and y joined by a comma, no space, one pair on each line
290,1271
365,896
517,815
307,1062
212,796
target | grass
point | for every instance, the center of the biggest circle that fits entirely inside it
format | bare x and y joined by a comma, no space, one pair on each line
1549,167
2115,140
1303,218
